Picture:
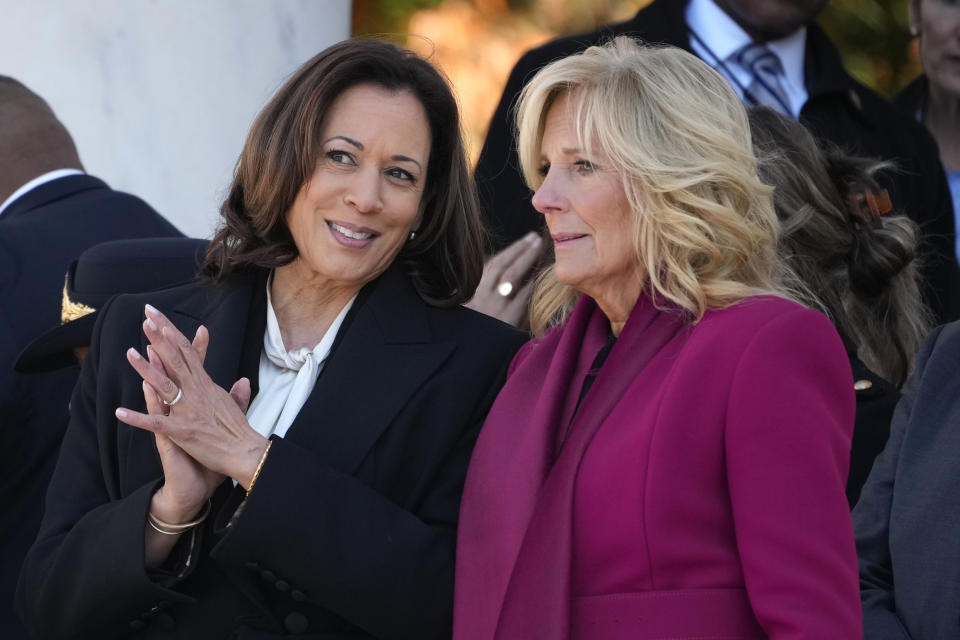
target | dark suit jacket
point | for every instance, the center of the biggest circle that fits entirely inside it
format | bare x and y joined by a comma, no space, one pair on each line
913,97
41,233
907,519
875,406
350,530
838,109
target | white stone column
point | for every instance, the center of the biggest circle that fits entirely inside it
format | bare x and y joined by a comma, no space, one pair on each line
159,94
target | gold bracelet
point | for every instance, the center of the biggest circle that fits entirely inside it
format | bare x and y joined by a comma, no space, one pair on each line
256,472
169,529
159,530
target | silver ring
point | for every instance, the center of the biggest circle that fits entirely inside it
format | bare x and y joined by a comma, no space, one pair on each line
505,288
175,400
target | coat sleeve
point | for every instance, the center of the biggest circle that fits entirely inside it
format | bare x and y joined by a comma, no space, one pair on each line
382,566
871,520
789,426
85,574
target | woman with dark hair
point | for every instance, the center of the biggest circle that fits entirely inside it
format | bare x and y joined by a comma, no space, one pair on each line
852,259
319,495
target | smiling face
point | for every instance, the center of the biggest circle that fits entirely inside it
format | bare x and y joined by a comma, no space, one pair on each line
938,22
587,212
351,218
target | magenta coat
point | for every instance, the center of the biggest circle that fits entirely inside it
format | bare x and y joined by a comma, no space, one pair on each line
697,492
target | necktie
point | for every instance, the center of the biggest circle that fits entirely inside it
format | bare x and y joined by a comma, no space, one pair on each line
766,87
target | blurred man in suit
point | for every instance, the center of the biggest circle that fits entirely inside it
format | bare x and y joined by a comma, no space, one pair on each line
772,52
50,211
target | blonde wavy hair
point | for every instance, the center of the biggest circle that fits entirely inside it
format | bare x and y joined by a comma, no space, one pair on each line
705,231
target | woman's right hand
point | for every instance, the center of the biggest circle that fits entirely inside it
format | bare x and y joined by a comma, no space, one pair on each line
187,483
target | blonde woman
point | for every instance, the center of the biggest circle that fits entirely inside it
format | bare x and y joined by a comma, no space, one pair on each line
669,459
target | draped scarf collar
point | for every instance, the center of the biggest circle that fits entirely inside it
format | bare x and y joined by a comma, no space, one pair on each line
515,532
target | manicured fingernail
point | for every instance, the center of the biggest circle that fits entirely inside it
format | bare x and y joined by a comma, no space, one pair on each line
531,236
121,413
133,353
150,310
151,324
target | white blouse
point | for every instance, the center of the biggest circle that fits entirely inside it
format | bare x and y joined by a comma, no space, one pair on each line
287,377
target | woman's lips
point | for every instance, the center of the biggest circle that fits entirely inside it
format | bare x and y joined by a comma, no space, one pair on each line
351,236
560,239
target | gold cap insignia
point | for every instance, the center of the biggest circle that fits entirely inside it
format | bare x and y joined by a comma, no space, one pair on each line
71,310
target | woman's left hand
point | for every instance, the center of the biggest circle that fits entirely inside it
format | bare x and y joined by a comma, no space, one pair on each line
203,419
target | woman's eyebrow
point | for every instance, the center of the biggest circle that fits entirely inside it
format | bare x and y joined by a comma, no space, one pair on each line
359,145
400,158
355,143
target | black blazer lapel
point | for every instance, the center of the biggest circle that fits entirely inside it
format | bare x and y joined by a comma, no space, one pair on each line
387,344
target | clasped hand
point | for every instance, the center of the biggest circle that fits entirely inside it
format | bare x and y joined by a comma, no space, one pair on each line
202,435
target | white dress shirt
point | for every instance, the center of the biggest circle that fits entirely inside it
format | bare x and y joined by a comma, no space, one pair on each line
287,377
720,38
50,176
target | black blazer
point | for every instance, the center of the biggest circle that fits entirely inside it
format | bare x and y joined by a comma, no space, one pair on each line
875,406
41,233
350,531
913,97
839,109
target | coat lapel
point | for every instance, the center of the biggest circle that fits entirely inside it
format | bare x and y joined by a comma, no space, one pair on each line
386,333
536,603
513,456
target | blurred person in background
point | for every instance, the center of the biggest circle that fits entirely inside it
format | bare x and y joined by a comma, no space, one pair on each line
295,467
102,271
771,52
934,97
854,261
667,459
50,212
906,519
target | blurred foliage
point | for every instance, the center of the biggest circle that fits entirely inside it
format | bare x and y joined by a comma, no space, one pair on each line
373,17
872,35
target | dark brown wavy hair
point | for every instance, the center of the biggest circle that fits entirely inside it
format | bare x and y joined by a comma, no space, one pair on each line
859,269
444,260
